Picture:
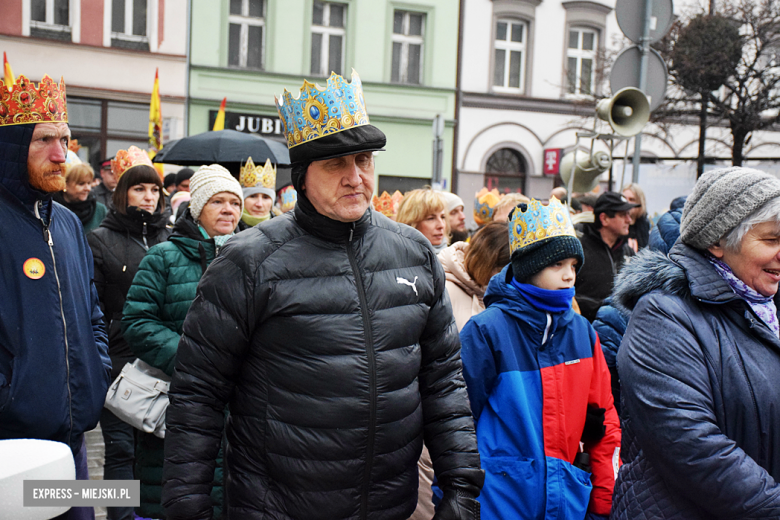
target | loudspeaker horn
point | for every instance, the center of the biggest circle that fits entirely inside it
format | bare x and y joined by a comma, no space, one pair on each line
627,112
587,170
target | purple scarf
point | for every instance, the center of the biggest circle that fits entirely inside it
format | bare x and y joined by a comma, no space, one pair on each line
763,306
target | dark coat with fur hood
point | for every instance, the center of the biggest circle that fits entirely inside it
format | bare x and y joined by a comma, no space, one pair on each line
701,410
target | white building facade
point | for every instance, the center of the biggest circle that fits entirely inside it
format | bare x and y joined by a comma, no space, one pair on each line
530,72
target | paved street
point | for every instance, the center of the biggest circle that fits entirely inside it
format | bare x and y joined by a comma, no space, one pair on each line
95,450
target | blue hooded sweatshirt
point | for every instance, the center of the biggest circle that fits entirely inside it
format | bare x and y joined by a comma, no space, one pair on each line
54,364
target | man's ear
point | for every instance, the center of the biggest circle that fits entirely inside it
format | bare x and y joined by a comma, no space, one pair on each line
716,250
602,218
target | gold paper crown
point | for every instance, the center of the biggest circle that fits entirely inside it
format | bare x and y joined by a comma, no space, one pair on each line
126,159
484,205
24,103
538,222
252,176
318,111
385,205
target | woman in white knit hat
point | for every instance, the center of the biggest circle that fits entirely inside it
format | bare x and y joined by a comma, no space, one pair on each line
161,294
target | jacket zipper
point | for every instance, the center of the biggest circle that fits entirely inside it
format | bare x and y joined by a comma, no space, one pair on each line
371,376
146,244
48,239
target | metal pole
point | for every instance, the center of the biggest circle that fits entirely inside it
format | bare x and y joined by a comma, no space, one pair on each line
187,71
645,48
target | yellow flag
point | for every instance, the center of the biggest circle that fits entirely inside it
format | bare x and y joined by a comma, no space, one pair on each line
155,118
8,74
219,122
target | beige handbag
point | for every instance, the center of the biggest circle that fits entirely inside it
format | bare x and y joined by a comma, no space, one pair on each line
139,397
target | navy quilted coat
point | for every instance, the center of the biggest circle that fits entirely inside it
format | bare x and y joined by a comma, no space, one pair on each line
335,347
699,376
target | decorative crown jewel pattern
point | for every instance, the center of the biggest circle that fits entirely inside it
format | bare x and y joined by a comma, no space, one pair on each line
386,205
25,103
538,222
319,111
252,176
484,205
126,159
289,198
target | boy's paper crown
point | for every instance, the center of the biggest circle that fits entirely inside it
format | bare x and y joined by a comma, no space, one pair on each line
541,235
484,205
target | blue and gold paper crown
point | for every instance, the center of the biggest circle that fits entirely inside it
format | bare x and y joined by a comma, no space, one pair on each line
539,222
319,111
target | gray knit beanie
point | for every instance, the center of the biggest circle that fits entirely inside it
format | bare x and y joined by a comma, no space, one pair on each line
721,199
207,182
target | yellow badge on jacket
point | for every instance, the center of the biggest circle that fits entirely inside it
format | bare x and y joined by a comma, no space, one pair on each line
34,268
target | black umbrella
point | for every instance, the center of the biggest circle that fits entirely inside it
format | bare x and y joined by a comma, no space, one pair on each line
223,147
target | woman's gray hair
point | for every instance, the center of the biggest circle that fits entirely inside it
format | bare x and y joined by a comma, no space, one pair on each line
769,212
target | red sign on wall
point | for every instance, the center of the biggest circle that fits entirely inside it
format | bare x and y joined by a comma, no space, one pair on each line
552,160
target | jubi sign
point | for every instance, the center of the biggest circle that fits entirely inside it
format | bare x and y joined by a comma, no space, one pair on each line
249,123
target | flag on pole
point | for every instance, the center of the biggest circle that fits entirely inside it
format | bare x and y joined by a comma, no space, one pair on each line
155,123
219,122
8,74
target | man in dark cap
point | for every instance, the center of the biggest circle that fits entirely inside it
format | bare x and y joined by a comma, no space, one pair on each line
104,192
54,364
329,335
606,248
183,177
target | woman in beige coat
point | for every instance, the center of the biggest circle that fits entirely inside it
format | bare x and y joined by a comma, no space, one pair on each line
469,267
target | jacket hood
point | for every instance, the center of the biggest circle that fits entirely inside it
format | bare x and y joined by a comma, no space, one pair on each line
14,147
453,259
191,242
685,273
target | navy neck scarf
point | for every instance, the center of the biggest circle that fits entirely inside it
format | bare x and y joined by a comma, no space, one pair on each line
546,300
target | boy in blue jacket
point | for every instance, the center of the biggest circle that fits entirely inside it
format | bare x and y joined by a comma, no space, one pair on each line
548,433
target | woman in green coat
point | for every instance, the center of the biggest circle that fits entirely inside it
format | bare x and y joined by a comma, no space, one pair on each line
160,297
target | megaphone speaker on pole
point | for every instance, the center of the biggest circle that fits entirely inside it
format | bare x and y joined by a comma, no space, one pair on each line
586,171
627,112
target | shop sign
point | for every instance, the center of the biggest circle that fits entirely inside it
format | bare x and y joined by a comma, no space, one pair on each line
552,160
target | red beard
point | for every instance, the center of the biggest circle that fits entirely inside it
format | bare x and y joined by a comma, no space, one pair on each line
44,181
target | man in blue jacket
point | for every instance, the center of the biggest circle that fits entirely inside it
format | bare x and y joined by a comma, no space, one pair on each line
54,364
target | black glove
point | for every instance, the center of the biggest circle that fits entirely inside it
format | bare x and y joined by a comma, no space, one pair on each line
457,505
594,429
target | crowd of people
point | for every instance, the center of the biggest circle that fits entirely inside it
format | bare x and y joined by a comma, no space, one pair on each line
337,354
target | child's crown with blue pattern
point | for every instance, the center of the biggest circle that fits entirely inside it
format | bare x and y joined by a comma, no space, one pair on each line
319,111
539,222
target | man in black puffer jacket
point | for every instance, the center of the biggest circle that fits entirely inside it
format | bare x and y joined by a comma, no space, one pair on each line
329,335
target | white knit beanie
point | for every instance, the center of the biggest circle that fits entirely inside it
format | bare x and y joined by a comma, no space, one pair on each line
207,182
451,200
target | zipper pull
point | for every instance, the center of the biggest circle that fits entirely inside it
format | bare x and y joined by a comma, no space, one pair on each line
47,235
146,244
351,231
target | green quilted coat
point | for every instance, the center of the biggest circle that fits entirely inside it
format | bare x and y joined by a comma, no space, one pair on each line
163,290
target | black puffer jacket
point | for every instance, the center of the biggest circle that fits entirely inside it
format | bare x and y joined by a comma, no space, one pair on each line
118,246
334,345
701,410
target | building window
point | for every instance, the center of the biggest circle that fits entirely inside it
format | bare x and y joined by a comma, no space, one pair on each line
408,39
50,19
581,61
509,69
247,23
327,38
129,24
505,170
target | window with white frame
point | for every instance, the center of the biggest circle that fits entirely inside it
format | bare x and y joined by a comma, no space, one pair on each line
245,39
50,19
581,61
509,55
408,40
128,20
327,38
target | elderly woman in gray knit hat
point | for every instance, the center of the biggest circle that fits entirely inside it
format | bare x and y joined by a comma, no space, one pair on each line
699,364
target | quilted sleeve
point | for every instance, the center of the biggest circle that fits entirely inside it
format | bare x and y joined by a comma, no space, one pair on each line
216,335
142,324
449,426
668,395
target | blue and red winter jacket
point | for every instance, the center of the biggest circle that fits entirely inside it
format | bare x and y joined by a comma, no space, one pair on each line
531,376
